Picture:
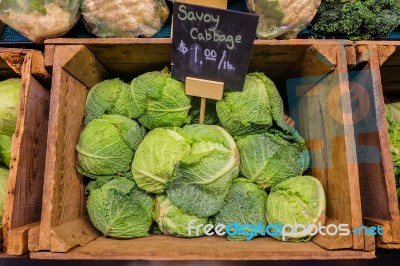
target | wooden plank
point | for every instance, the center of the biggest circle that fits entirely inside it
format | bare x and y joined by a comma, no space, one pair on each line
63,191
160,247
204,88
25,184
14,60
38,69
333,242
391,229
211,3
18,239
78,232
389,55
49,57
33,238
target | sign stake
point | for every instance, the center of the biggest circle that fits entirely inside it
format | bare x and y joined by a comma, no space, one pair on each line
202,110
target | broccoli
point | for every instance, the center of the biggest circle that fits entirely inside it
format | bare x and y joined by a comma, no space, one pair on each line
359,19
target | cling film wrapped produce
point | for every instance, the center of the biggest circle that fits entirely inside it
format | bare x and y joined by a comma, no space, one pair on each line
124,18
282,19
39,20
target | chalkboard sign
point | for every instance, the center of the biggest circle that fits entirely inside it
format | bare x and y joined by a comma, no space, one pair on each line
212,44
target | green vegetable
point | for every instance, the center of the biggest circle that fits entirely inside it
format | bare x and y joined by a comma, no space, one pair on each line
269,158
158,100
393,119
245,204
156,158
359,19
3,188
255,110
9,105
107,144
173,221
120,210
202,179
298,200
5,149
107,97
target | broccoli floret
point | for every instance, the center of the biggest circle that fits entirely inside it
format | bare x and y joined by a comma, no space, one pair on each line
359,19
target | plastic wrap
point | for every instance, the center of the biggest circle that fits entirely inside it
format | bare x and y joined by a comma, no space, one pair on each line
282,19
39,20
124,18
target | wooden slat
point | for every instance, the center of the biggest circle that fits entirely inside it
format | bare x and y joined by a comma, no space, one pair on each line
18,239
204,248
78,232
64,199
333,242
392,55
25,184
33,238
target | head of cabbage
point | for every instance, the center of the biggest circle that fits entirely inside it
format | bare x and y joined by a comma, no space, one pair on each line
173,221
9,105
156,157
158,100
202,179
271,157
254,110
119,209
107,97
297,200
245,204
107,144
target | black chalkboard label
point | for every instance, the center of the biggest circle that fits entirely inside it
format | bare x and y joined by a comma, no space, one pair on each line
212,44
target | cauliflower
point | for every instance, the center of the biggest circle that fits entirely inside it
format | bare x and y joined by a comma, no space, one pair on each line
40,19
282,18
124,18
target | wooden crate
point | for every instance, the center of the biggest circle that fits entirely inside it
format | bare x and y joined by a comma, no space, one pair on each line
377,73
65,231
22,207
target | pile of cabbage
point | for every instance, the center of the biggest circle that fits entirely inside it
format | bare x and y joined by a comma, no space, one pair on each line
153,168
9,107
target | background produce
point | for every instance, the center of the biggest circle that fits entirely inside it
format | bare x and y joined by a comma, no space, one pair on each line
9,104
190,170
358,19
282,19
40,19
393,118
124,18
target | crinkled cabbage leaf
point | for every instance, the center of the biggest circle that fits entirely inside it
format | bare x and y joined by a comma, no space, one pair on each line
202,179
120,210
107,144
245,204
298,200
173,221
156,157
9,105
271,157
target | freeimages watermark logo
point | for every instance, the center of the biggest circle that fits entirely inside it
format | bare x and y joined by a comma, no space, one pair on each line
284,231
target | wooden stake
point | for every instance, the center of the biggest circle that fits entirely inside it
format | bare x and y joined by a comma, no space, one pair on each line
202,110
